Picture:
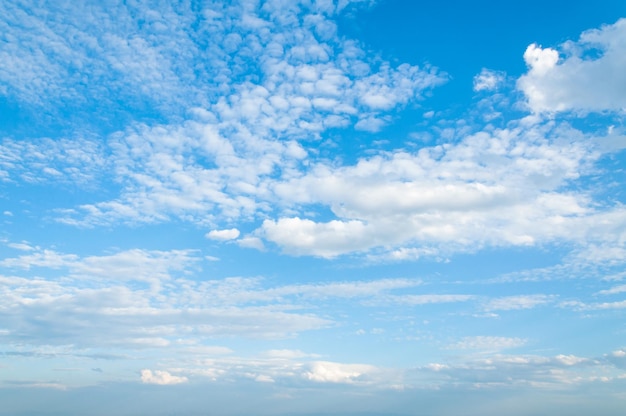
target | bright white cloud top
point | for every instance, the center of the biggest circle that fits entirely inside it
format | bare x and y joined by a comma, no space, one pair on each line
312,207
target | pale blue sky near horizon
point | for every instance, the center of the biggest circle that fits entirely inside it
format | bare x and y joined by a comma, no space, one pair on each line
312,207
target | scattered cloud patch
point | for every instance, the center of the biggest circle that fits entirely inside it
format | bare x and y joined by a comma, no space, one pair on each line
488,343
488,80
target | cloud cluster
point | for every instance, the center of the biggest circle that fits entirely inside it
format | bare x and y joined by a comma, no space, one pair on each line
253,81
500,187
277,79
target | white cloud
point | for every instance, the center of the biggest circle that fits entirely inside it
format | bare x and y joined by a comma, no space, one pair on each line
302,236
582,76
488,80
21,246
370,124
502,187
74,161
331,372
310,79
161,377
223,235
139,299
570,360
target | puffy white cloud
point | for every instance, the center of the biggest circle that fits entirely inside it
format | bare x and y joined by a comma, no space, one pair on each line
161,377
302,236
540,61
581,76
331,372
223,235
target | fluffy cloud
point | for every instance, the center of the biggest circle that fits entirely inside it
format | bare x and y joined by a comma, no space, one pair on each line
302,236
581,76
492,188
161,377
330,372
223,235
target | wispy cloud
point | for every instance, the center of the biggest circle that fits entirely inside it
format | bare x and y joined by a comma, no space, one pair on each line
509,303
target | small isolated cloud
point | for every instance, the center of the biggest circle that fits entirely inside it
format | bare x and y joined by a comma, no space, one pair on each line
161,377
330,372
223,235
488,80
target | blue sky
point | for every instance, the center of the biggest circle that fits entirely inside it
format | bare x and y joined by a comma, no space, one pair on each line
312,208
